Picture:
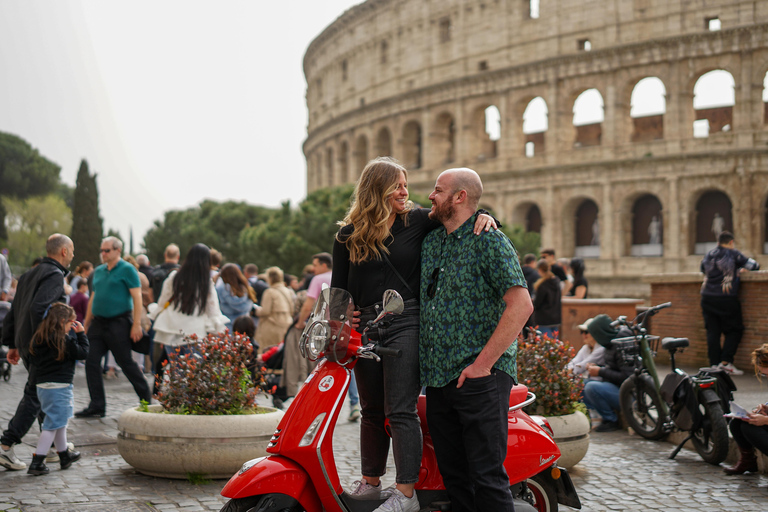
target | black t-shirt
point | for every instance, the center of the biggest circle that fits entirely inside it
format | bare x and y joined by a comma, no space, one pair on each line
559,272
367,281
576,283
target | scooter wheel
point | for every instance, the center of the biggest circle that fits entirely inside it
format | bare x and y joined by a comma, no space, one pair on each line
264,503
543,493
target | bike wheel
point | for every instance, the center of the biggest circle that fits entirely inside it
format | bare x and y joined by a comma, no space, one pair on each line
543,492
642,408
264,503
711,439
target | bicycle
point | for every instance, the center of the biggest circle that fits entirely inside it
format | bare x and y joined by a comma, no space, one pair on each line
693,404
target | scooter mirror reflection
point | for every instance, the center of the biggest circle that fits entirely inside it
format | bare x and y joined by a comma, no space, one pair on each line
391,304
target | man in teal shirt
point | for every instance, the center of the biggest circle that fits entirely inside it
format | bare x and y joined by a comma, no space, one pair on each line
474,302
113,323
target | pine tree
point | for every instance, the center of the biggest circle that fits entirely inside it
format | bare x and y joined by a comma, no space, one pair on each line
87,224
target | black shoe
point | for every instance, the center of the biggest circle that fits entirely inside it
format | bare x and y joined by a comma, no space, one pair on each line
608,426
90,413
38,466
67,457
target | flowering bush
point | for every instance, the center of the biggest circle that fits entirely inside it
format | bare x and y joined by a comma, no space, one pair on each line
214,378
542,366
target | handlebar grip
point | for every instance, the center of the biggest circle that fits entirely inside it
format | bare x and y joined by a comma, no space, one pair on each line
388,352
662,306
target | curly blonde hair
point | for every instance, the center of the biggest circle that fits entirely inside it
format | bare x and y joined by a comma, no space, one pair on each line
760,359
370,210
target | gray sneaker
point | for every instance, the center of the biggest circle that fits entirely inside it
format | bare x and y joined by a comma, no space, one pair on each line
362,489
53,455
399,503
10,461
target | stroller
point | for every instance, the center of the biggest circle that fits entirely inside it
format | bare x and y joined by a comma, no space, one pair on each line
5,366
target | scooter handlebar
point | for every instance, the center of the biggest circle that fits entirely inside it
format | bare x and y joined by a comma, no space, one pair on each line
388,352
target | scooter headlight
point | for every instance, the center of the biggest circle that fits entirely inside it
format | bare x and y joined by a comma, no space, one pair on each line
316,340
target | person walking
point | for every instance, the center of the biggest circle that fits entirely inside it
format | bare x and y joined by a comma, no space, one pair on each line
113,323
276,311
720,304
54,351
37,289
468,344
236,297
547,308
6,278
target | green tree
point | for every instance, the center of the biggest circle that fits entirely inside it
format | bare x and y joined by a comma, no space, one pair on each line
87,224
524,241
30,222
23,173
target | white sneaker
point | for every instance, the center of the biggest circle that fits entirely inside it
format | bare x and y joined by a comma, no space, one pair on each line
53,455
399,503
729,368
10,461
362,489
354,414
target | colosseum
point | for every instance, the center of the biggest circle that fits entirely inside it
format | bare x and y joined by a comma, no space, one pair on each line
672,151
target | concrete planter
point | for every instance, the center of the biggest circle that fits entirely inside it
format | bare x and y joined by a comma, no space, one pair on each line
174,445
572,437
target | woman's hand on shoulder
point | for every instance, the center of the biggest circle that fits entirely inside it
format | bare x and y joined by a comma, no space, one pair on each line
484,222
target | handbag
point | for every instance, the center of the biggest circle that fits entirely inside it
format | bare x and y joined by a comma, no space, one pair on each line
142,346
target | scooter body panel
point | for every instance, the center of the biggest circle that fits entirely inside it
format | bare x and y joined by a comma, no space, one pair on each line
275,474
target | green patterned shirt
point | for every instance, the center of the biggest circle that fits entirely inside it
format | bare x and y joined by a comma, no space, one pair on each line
467,276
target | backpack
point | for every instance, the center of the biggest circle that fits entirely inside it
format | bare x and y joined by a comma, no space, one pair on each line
159,275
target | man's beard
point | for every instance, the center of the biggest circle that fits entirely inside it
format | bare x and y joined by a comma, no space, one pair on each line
444,212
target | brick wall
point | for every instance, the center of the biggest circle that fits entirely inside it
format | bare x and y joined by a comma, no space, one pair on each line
684,318
577,311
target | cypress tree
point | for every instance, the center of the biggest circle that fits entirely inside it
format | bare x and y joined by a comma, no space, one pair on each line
87,224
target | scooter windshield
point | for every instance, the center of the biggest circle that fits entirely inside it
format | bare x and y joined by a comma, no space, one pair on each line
328,328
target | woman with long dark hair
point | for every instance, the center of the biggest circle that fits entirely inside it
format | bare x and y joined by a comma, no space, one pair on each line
547,312
580,284
377,248
235,294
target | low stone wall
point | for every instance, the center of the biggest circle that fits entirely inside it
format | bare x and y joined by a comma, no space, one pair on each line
576,311
684,318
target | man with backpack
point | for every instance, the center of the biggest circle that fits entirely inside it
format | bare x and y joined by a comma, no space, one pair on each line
161,272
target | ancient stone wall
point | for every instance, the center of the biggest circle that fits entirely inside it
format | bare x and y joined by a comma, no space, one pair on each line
631,193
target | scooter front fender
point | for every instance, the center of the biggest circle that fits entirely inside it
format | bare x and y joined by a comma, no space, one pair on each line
274,474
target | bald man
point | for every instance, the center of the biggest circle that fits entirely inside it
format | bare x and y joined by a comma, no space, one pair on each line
474,302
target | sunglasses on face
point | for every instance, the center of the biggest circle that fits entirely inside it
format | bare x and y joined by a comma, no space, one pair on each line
584,332
106,250
432,288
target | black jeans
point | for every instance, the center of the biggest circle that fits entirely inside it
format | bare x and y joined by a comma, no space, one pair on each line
722,315
469,430
26,413
749,436
114,335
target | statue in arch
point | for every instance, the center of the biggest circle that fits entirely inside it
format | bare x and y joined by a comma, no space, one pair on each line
718,225
654,230
595,232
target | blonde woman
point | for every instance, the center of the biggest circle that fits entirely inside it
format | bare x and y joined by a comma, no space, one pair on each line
377,248
275,312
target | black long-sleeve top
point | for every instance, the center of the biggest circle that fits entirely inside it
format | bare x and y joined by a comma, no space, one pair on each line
48,369
367,281
547,308
614,371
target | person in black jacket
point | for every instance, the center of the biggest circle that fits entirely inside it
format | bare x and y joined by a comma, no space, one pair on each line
547,309
37,289
603,396
54,351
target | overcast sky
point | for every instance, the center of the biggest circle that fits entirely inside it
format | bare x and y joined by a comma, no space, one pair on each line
170,102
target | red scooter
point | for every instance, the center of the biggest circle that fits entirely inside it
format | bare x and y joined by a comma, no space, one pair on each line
300,472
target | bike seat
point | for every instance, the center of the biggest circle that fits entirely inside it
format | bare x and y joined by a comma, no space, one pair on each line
670,343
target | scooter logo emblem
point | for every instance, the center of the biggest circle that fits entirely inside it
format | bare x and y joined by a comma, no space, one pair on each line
325,384
543,461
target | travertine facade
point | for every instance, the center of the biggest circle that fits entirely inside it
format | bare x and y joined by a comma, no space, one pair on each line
632,193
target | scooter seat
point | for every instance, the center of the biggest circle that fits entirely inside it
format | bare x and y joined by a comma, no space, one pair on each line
670,343
518,394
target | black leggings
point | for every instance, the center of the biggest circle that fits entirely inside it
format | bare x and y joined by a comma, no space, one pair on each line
749,436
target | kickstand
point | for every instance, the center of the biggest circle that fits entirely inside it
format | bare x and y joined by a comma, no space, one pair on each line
680,446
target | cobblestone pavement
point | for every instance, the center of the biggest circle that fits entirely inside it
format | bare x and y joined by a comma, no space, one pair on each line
620,472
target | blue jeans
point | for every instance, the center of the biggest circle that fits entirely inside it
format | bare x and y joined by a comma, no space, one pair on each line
603,397
354,398
549,330
390,390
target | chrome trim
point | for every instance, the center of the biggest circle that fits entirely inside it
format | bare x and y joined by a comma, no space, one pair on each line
339,401
193,440
528,401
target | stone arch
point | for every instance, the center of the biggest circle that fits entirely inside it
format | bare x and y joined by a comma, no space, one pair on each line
535,126
484,135
648,104
318,169
528,214
443,138
714,97
412,145
360,154
343,161
765,99
329,181
579,214
588,117
713,213
384,142
647,226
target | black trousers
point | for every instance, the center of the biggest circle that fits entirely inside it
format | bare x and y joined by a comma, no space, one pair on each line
722,316
27,411
749,436
113,335
469,431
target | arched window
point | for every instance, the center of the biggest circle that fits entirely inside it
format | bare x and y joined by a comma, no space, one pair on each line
344,162
412,145
486,131
648,106
587,230
535,125
588,117
765,99
444,135
647,227
361,154
713,216
533,219
318,169
384,143
713,99
329,167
